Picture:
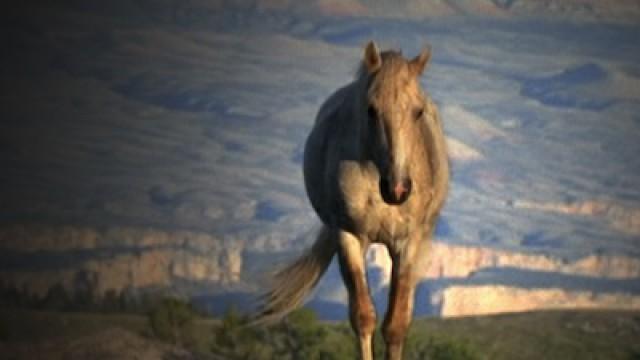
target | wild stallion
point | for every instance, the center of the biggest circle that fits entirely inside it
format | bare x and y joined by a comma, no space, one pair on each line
376,171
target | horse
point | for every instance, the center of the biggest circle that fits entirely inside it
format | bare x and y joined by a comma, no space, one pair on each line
375,171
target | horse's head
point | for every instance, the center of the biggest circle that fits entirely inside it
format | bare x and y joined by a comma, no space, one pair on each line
393,108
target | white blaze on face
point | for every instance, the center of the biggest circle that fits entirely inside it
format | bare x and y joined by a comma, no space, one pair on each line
400,144
394,94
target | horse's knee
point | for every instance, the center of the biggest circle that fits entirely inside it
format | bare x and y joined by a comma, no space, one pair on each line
364,321
395,333
368,321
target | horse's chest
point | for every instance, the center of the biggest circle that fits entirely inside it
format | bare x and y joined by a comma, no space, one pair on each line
365,211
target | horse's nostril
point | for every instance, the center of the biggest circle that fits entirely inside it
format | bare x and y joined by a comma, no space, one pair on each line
401,189
395,192
398,190
407,185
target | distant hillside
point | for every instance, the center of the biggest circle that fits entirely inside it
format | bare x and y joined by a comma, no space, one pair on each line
625,11
575,10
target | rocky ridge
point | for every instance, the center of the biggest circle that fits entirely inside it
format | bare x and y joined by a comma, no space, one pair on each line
453,270
114,259
492,299
619,217
123,258
461,261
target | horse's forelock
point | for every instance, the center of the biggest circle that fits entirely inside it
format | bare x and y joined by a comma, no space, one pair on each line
387,56
394,77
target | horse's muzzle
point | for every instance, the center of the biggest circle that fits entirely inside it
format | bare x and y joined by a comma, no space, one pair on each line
395,192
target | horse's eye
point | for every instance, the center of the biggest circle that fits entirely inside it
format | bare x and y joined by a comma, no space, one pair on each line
371,111
418,112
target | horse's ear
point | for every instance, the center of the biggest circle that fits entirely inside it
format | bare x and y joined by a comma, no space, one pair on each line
419,63
372,59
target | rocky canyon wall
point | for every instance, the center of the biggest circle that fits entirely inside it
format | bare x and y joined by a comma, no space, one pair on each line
38,257
460,261
491,299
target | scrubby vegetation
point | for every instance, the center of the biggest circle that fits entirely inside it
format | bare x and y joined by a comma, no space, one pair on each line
302,336
85,299
172,320
299,336
543,335
441,348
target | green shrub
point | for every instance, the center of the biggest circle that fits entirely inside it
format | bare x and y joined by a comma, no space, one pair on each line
440,349
634,355
172,320
57,299
305,334
453,351
226,337
299,336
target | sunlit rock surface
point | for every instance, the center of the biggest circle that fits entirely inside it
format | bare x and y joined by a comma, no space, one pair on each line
485,300
115,259
458,261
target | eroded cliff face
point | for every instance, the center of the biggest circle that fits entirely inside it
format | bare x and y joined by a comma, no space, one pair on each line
36,258
459,261
115,259
467,280
490,299
620,217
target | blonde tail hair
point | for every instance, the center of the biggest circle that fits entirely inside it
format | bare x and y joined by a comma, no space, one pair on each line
293,284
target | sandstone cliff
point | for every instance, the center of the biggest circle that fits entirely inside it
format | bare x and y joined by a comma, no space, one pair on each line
114,259
452,269
483,300
622,218
460,261
39,257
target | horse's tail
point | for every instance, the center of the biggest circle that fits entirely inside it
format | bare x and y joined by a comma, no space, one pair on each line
292,284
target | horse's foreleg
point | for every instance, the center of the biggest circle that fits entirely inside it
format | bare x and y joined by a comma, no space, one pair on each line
361,311
401,297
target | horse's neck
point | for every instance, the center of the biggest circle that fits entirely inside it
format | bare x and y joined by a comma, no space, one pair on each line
351,117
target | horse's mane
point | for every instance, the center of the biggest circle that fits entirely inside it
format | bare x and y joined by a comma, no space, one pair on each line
386,55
